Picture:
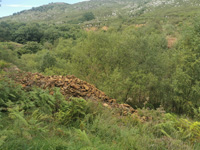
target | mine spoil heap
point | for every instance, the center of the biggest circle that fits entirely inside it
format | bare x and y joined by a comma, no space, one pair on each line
70,86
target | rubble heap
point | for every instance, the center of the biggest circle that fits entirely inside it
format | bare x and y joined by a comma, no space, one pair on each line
70,86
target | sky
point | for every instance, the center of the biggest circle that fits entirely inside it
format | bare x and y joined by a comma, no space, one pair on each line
8,7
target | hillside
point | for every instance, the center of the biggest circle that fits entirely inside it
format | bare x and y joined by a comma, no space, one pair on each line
106,10
44,111
101,75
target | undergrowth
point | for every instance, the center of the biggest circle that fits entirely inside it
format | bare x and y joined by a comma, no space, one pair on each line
35,119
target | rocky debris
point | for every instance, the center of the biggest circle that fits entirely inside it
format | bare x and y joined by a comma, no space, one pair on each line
11,69
71,86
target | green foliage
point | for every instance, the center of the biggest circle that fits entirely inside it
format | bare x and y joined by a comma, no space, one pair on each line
35,33
7,53
131,62
129,65
88,16
28,126
13,94
185,80
196,113
51,34
30,32
133,65
29,48
172,126
9,91
48,61
51,122
2,136
5,32
43,100
3,64
73,111
170,29
140,90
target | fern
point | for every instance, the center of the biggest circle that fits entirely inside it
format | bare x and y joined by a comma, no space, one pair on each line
82,136
32,125
2,140
10,91
2,137
43,100
174,127
74,111
17,115
36,123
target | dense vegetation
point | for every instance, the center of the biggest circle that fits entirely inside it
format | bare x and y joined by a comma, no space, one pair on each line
153,66
35,119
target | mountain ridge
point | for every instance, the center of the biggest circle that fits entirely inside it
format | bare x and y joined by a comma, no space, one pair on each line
69,13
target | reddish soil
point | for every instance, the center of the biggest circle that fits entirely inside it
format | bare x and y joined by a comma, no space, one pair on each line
91,29
139,25
104,28
171,41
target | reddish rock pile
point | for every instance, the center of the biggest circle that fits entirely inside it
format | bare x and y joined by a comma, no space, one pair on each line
71,86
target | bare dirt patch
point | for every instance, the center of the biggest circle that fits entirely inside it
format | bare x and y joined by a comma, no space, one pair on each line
91,29
104,28
171,41
139,25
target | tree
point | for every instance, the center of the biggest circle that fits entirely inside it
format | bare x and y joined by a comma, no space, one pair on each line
51,34
29,48
48,61
88,16
29,32
5,32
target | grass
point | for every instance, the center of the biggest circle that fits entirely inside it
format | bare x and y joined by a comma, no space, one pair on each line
104,132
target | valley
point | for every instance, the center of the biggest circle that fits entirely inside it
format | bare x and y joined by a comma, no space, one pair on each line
101,75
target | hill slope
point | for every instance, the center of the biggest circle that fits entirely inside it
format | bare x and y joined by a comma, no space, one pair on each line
107,9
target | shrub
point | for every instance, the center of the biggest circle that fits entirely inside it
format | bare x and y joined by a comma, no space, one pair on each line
3,64
30,48
174,127
9,91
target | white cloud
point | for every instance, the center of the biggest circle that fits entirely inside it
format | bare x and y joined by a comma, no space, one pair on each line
19,6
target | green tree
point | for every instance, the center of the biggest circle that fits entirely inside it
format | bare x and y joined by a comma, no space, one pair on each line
88,16
29,32
5,31
29,48
48,61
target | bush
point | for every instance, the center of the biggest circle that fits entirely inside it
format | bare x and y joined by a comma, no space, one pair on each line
9,91
184,129
3,64
30,48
